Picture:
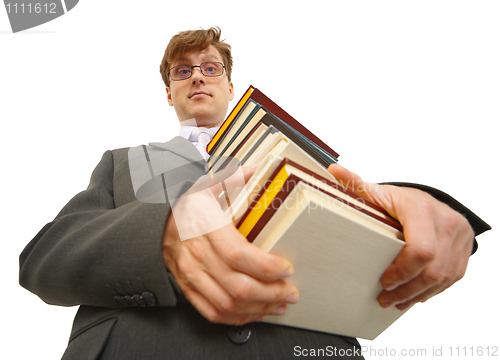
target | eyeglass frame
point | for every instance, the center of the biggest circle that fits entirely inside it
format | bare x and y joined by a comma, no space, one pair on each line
197,66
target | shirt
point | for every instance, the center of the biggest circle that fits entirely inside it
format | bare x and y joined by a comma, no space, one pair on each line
185,132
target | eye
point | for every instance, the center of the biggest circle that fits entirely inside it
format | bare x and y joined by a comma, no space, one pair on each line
181,71
211,68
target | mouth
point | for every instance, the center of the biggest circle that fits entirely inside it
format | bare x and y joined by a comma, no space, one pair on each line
199,94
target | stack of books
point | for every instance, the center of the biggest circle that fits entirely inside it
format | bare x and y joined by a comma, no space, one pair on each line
339,243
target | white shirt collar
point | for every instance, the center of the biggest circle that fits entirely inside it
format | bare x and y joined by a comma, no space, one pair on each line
185,131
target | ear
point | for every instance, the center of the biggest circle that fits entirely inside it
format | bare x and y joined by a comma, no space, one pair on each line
231,91
169,96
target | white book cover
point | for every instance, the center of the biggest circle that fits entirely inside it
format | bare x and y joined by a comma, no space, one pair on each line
339,255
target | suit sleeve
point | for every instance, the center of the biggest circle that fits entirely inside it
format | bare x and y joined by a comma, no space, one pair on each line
477,224
94,253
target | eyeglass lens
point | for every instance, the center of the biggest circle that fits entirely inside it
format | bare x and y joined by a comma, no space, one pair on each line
182,72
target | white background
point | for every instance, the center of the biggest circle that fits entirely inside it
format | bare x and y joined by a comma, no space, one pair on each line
404,91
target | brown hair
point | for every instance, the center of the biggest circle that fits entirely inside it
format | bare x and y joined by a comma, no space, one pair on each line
195,40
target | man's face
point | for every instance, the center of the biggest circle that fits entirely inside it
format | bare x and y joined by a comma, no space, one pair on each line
202,98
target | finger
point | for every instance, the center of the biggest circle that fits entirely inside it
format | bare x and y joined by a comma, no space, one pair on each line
242,256
386,300
219,306
231,178
427,284
448,266
248,171
244,288
347,178
437,277
216,182
419,229
410,262
194,281
226,304
426,295
212,314
233,283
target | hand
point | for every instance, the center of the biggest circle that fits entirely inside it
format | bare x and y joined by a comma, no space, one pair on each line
226,278
438,241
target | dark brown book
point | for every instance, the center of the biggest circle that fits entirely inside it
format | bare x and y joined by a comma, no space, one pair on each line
256,95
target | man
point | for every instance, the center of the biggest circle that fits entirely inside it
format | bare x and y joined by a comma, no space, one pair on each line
146,294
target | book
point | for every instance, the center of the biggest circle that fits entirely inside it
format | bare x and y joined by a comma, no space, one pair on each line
249,146
236,136
275,116
286,176
245,128
233,128
269,161
339,243
338,259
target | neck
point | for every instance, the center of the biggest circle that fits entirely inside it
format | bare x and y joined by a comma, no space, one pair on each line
206,124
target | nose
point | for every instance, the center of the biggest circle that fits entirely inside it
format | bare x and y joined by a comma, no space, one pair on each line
197,75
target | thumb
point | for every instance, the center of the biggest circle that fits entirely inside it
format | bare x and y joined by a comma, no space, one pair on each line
347,178
234,177
249,170
350,180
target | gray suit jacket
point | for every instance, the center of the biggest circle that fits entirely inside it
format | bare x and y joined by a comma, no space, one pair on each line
103,252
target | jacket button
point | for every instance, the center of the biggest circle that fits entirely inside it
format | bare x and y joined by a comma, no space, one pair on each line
120,300
130,301
149,298
239,334
139,300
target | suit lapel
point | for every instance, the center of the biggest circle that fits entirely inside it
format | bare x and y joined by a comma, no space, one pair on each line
179,146
164,171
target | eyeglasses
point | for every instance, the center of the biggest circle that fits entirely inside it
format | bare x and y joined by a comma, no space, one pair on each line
183,72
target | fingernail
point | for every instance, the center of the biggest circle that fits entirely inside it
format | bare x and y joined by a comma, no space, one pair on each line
280,310
293,298
390,286
287,272
386,304
253,167
403,307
